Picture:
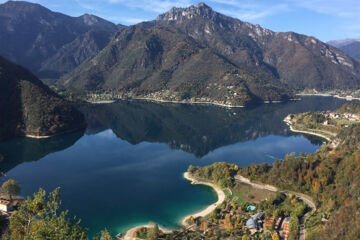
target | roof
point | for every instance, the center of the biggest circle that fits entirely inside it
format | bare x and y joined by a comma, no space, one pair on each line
288,219
258,215
251,223
4,202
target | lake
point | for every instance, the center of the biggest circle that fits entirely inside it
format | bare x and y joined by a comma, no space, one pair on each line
126,168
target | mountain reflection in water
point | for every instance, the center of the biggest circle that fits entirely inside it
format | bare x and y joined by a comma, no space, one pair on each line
198,129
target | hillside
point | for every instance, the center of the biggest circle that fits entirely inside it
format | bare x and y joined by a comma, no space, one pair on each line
163,63
48,43
352,49
349,46
29,107
330,176
296,60
197,54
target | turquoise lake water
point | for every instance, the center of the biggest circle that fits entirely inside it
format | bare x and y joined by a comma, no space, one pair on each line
126,168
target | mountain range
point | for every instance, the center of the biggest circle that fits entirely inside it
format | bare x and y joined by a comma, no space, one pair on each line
198,54
30,108
349,46
48,43
192,54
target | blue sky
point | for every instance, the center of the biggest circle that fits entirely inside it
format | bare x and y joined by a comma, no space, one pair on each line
323,19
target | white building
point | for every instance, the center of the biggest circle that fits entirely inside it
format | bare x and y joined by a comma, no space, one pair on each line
5,205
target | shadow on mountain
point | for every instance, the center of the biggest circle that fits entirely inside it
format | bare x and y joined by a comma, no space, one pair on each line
198,129
19,150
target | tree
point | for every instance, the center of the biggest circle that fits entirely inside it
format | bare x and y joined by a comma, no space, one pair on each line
41,217
153,232
11,187
275,236
294,227
104,235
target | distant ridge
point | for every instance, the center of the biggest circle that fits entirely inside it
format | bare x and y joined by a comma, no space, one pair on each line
349,46
343,42
48,43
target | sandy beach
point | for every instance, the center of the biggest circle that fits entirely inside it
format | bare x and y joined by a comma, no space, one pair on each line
35,136
209,209
101,102
221,198
130,234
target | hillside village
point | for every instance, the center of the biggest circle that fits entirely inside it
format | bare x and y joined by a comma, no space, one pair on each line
343,116
247,212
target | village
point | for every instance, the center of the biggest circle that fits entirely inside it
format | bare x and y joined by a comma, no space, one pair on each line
344,116
247,213
240,221
9,202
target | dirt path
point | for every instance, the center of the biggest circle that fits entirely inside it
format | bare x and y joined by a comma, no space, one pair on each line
303,197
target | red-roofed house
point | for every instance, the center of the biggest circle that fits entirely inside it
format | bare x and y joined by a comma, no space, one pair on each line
5,205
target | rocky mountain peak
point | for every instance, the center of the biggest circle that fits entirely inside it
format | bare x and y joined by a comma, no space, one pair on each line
181,14
90,19
203,5
15,8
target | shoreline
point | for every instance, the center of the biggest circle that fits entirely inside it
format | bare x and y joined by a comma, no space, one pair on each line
130,233
202,213
38,137
54,135
185,102
331,141
308,132
347,98
101,102
221,198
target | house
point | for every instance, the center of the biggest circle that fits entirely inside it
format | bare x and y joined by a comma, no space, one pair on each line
259,216
285,227
334,115
278,221
269,222
5,205
347,115
356,117
253,223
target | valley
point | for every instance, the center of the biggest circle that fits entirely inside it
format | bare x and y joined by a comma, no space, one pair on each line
184,120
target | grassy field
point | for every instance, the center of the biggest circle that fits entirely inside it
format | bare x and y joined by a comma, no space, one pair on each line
245,193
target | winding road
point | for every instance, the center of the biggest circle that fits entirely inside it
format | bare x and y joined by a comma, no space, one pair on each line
303,197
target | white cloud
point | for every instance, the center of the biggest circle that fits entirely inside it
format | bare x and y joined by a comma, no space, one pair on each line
340,8
254,12
127,20
226,2
158,6
86,5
